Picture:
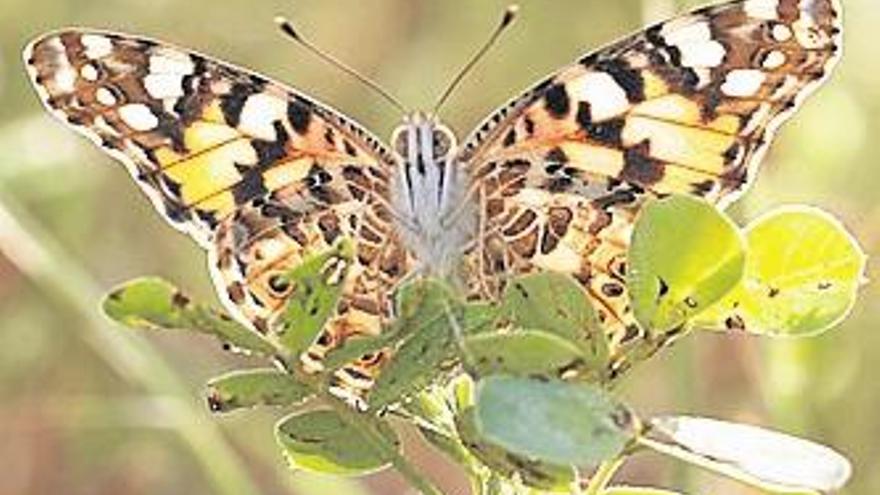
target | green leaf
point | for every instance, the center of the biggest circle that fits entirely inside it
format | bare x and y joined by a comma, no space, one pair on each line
355,347
801,278
252,388
553,421
474,318
154,304
523,353
424,310
767,459
425,338
532,472
555,303
478,317
321,441
316,287
637,490
685,255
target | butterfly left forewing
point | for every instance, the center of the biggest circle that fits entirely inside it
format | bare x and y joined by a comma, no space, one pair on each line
257,173
686,106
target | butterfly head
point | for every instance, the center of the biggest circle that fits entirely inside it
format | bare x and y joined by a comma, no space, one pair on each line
421,139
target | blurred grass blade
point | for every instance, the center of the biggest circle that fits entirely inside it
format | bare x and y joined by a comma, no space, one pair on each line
553,421
154,304
801,278
314,286
252,388
767,459
38,256
685,255
321,441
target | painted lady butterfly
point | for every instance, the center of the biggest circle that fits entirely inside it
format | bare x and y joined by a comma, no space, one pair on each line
262,175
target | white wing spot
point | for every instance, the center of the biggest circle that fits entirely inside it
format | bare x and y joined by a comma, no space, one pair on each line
706,54
607,99
138,116
690,32
105,97
743,82
774,60
762,9
97,46
89,72
161,86
781,33
65,79
694,40
258,115
167,61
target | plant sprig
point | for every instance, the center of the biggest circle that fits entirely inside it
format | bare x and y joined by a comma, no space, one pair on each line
518,391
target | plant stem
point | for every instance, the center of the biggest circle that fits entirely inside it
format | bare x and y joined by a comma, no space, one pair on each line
366,423
600,479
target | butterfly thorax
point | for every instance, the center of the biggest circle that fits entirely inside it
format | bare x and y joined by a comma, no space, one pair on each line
429,193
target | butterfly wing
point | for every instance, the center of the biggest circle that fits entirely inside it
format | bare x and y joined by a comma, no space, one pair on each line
685,106
255,172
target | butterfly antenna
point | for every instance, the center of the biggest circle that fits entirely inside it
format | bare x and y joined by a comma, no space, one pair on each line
288,29
506,20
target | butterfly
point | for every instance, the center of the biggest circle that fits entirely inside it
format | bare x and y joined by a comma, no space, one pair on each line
262,176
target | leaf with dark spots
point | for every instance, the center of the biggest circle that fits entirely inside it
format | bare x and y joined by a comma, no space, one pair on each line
323,442
253,388
802,276
533,473
523,353
557,304
684,256
154,304
318,287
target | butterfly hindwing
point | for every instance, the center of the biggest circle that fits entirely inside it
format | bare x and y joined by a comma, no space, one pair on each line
686,106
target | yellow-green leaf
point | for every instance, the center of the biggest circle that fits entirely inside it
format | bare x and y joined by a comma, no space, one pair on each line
802,276
685,256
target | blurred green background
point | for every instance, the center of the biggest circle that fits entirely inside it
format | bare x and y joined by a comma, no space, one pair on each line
89,409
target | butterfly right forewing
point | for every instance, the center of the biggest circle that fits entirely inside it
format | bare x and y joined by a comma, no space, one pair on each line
686,106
